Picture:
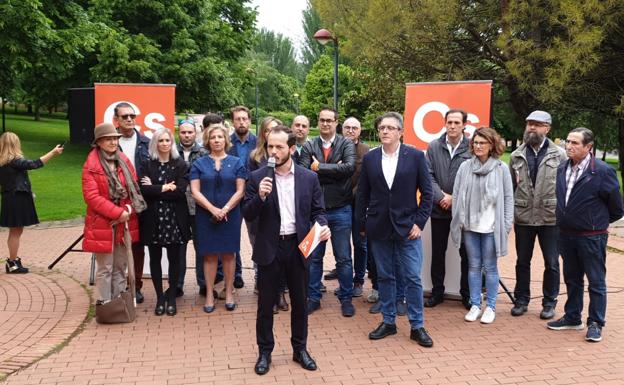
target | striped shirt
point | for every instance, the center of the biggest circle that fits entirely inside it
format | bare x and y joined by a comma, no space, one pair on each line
573,172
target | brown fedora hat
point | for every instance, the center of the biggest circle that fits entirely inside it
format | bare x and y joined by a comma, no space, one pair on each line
103,130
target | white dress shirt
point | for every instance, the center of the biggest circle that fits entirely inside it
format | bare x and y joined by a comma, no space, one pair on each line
389,165
328,143
285,185
128,146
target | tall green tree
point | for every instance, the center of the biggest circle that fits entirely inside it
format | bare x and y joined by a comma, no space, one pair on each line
540,51
311,50
278,51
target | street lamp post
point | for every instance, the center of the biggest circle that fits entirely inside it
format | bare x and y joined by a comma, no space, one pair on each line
323,36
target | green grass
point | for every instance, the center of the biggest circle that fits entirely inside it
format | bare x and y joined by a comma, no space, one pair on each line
57,186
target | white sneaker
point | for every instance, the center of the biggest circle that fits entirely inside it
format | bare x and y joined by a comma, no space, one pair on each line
488,316
473,314
373,297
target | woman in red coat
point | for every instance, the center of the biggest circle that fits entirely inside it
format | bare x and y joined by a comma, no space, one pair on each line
110,190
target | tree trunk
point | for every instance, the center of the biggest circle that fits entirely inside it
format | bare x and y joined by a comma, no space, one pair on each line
37,110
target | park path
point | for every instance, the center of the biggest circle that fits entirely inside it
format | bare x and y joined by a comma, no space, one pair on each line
40,311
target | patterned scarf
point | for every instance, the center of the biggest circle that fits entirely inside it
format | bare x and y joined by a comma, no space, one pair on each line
116,189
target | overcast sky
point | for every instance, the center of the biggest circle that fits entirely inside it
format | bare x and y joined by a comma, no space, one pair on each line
283,16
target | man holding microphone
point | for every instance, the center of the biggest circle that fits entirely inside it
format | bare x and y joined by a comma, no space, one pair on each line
286,199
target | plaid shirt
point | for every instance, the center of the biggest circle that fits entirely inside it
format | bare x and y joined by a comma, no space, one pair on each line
573,173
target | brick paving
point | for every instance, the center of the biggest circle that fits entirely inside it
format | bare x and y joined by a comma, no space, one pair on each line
219,348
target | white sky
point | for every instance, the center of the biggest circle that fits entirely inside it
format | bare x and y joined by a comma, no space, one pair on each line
283,16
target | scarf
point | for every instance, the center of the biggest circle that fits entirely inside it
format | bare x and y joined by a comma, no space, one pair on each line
116,189
482,189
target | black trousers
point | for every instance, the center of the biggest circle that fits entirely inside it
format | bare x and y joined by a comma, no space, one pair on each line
440,229
173,255
287,263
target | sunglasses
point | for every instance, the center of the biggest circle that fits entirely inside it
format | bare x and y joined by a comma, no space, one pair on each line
126,116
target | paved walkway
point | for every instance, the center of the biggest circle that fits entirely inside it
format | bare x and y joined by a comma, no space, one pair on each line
41,310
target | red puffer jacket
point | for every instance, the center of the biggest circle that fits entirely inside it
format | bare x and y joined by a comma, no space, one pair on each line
98,233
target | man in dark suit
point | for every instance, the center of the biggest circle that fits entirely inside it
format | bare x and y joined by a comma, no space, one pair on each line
286,208
391,214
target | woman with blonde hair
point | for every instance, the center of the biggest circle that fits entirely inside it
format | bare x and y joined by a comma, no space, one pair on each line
483,207
17,207
165,222
218,184
258,157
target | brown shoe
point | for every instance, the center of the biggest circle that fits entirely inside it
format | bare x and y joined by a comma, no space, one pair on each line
281,302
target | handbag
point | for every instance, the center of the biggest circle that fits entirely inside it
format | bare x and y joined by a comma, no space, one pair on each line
120,309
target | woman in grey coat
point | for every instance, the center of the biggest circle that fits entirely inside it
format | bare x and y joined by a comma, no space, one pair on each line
483,216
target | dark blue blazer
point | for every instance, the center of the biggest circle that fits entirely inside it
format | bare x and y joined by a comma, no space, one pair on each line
390,213
594,202
309,208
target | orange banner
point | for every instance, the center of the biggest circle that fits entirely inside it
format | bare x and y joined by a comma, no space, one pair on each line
154,104
426,104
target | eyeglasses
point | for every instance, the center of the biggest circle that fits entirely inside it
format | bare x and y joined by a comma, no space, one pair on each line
126,116
326,121
387,128
480,143
350,128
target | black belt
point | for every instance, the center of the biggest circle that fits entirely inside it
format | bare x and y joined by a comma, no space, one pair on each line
287,237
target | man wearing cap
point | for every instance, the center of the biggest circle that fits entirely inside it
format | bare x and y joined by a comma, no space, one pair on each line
135,146
534,173
191,151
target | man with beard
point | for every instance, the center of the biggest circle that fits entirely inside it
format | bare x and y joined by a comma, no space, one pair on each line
285,205
243,142
534,173
191,151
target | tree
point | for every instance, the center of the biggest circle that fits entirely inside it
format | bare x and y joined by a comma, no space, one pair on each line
279,52
541,52
311,50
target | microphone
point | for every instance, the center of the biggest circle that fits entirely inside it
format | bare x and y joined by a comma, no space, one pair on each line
271,167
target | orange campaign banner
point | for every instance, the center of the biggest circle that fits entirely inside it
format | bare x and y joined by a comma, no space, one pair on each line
154,104
426,104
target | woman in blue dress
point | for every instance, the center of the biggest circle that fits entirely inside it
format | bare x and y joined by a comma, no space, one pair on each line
218,185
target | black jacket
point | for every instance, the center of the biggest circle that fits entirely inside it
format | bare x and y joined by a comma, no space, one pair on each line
153,193
14,176
594,202
443,170
141,152
335,174
308,209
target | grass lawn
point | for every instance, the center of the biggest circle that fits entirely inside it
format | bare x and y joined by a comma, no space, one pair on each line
57,186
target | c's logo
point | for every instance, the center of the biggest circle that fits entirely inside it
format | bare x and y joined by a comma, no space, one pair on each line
434,132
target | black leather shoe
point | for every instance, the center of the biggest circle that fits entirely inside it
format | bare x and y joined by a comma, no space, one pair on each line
281,303
547,312
434,301
139,297
466,302
333,274
239,283
179,292
262,365
313,306
382,331
160,307
347,308
172,309
303,358
421,336
519,310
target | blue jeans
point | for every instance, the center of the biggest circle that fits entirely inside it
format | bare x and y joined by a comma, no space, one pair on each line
525,240
481,251
392,257
585,255
339,222
359,257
